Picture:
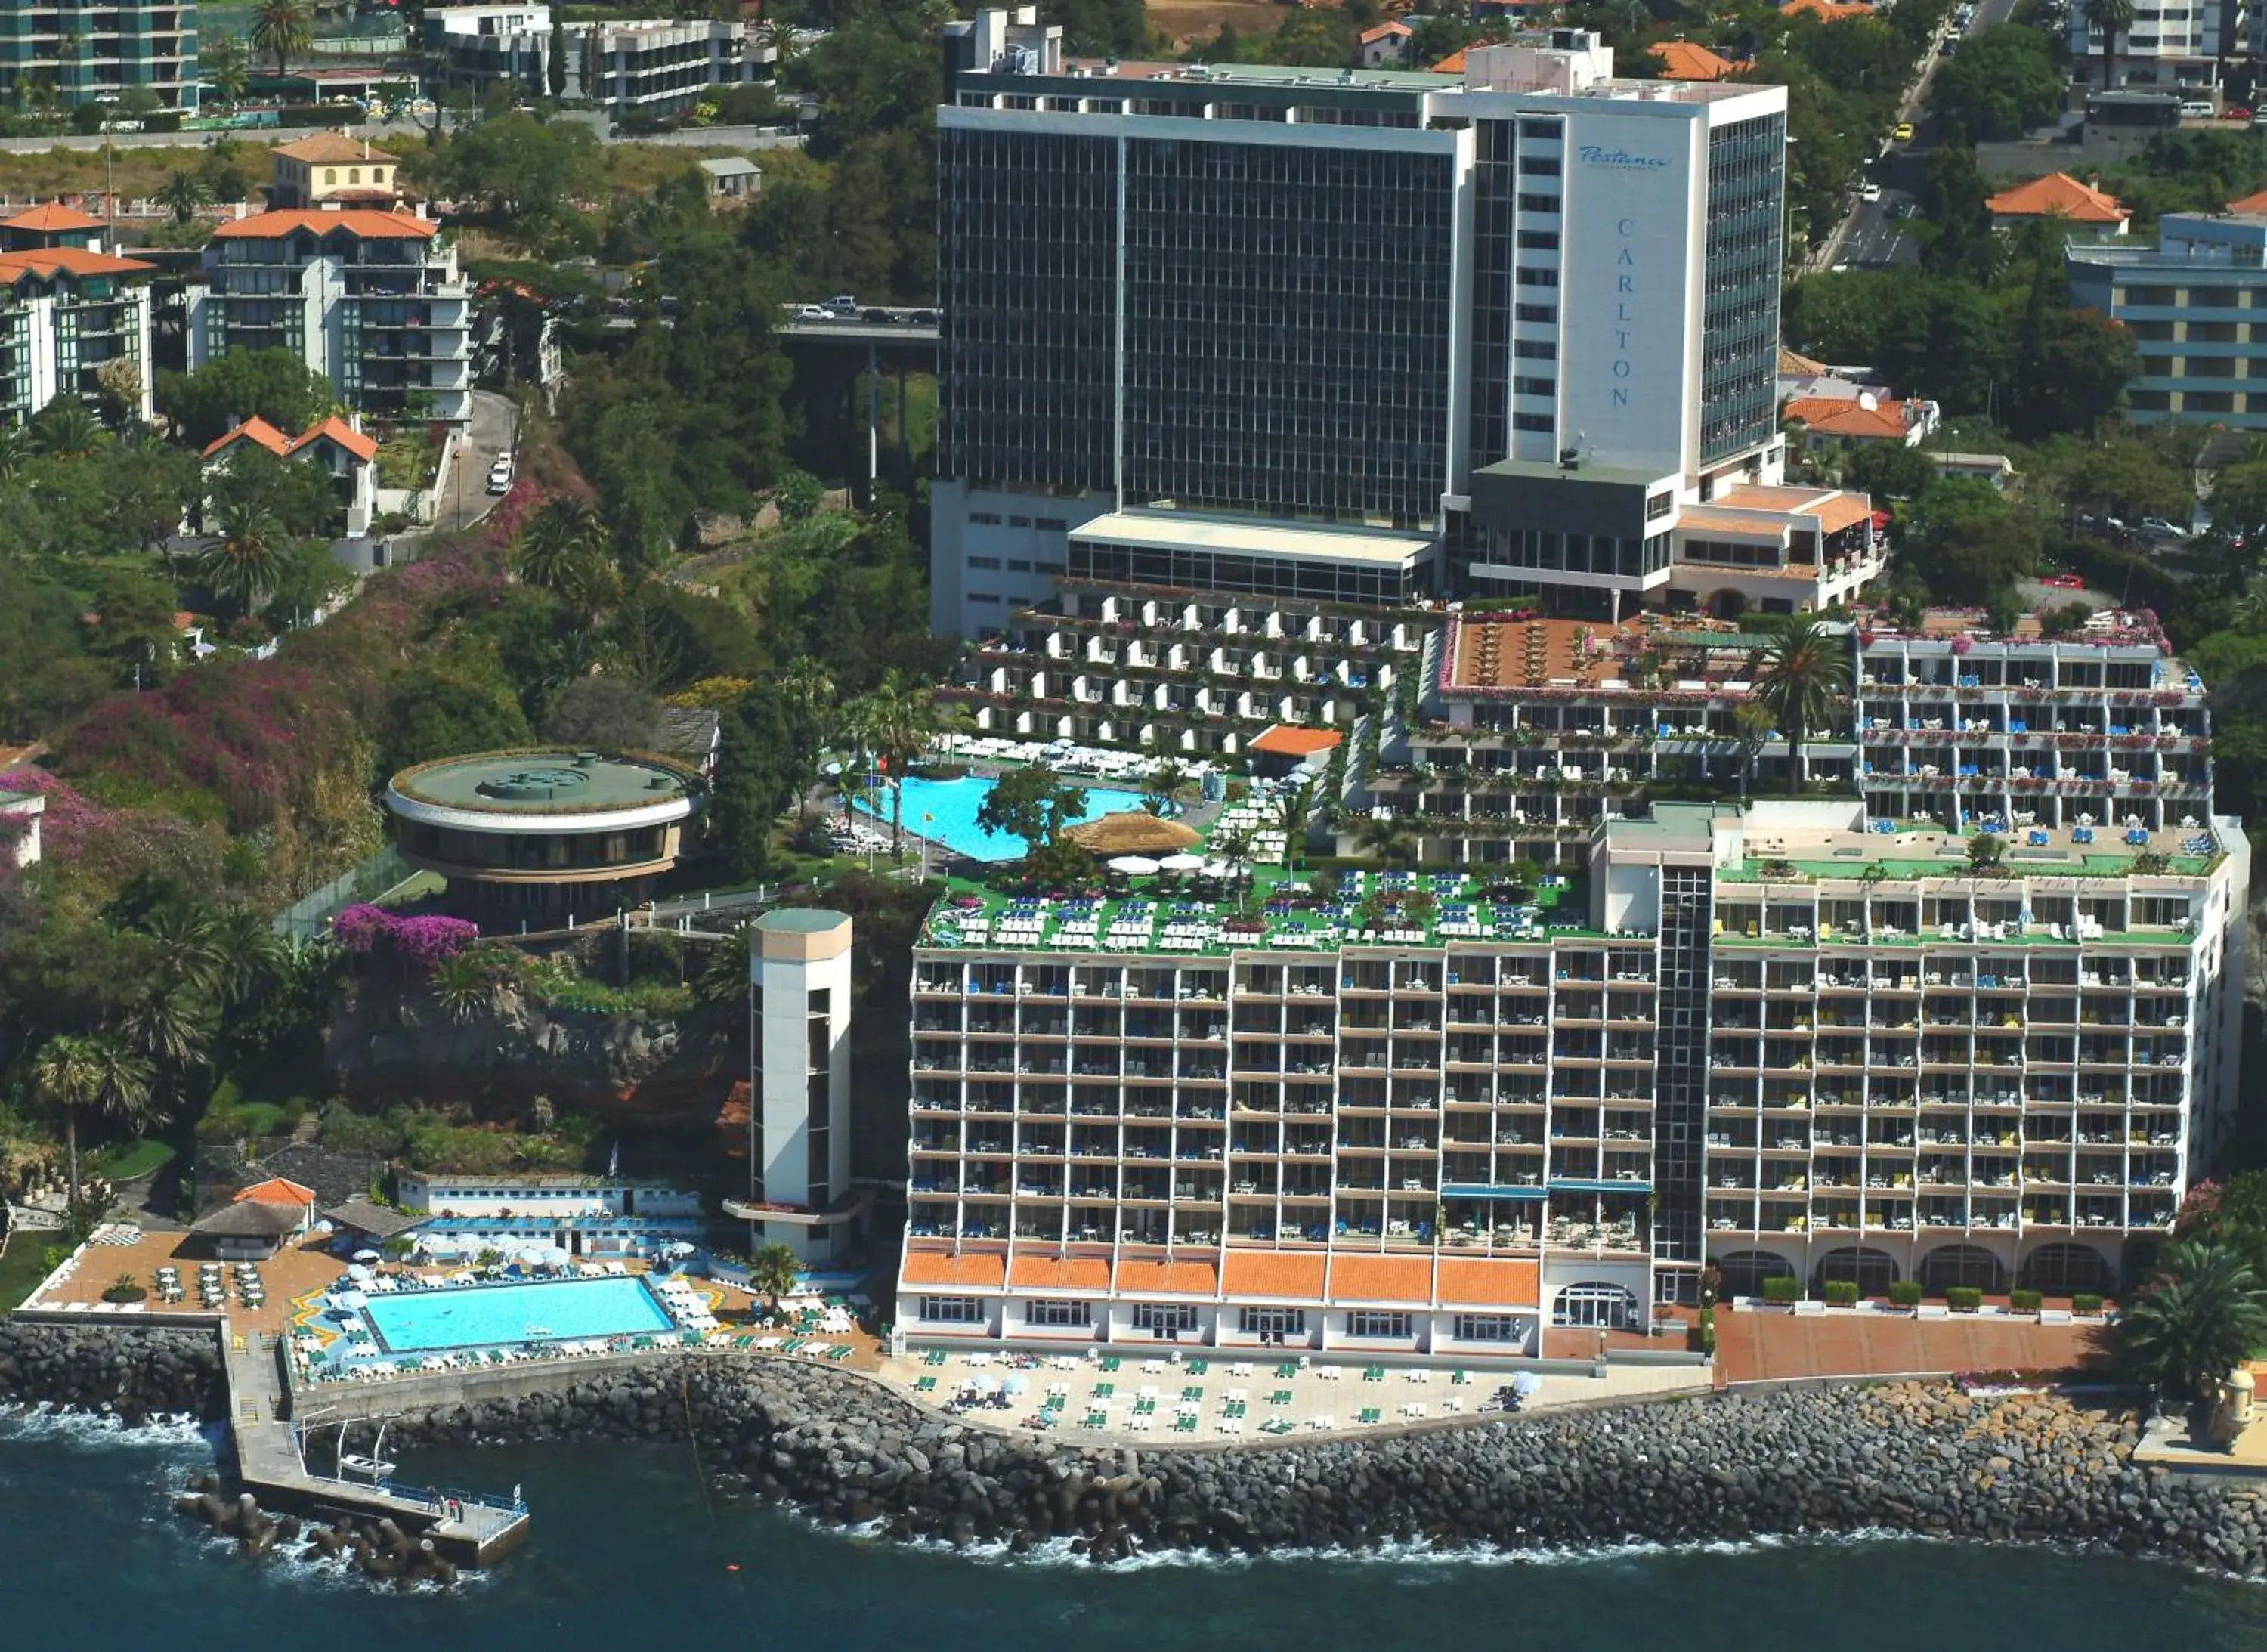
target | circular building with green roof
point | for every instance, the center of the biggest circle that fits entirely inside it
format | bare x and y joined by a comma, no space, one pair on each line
536,837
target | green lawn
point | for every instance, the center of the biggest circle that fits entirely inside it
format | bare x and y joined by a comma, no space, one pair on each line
124,1163
21,1265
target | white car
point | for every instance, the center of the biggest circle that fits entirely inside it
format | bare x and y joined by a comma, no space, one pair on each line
1871,191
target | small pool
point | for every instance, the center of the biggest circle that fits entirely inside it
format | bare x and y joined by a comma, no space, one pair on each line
503,1316
944,811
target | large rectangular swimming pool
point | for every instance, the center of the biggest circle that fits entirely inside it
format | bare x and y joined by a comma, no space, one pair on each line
944,811
502,1316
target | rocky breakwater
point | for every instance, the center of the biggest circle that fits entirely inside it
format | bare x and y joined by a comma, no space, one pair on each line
1913,1458
132,1372
379,1548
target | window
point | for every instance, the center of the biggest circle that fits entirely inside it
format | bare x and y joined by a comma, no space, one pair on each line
1530,421
1540,165
1550,131
1164,1315
1539,240
820,1002
1539,203
986,518
1535,349
1260,1322
984,561
1052,525
1659,505
1545,313
1059,1313
1019,521
1015,567
1607,1307
952,1310
983,596
1489,1327
1536,386
1537,277
1365,1322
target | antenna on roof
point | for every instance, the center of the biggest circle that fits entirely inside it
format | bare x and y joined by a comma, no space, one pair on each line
1869,402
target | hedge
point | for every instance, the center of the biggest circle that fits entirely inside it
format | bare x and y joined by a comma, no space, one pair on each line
2024,1301
1906,1293
2086,1302
1964,1298
1784,1288
1843,1293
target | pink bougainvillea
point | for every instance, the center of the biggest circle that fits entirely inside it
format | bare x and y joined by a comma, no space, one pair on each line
421,941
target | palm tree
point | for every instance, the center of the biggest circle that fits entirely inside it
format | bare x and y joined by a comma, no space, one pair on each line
225,66
773,1271
1166,784
246,562
856,728
1801,675
1295,809
2107,19
183,193
63,1074
905,717
15,448
1752,723
64,429
561,549
2205,1314
778,34
281,26
96,1072
1388,838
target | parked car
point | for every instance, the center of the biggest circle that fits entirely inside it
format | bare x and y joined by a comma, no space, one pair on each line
1871,191
877,315
1904,134
843,303
2162,528
2234,113
814,313
924,318
2065,581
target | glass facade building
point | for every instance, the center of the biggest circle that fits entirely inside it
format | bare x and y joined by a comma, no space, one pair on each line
1739,338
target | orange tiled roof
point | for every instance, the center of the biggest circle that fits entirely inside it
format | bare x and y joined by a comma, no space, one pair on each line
1175,1278
1048,1273
1835,416
44,261
1452,64
1793,366
254,429
1381,1279
337,430
1370,37
355,221
1275,1274
1683,59
277,1191
1833,511
2058,194
2250,205
1285,740
982,1270
54,216
1506,1284
332,146
1824,11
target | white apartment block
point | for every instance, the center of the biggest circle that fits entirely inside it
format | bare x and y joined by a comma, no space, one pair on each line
1775,1041
2170,42
68,309
628,66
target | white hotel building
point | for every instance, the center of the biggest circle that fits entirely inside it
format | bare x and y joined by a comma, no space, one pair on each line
1778,1042
1363,337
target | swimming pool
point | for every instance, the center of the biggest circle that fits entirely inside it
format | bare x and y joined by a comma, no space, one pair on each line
501,1316
944,811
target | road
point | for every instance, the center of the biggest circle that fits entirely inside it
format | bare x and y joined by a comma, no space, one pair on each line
466,498
1870,236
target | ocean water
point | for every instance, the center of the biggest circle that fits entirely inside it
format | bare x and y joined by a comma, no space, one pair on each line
629,1552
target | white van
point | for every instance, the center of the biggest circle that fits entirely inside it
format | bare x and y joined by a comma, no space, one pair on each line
2196,110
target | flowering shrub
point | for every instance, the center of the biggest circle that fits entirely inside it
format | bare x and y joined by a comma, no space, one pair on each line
421,941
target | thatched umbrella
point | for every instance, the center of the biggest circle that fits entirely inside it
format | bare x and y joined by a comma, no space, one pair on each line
1132,833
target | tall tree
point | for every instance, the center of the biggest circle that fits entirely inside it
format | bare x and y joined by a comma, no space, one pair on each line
182,193
1803,674
2106,20
244,566
282,27
905,718
224,65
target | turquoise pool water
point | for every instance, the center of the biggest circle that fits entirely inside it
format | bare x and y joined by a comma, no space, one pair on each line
944,811
501,1316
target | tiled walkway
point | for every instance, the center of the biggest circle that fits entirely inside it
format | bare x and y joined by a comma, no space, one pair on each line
1753,1347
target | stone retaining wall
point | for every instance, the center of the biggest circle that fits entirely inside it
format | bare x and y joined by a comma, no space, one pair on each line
133,1367
1910,1457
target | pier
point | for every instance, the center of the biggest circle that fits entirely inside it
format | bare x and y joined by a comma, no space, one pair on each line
469,1530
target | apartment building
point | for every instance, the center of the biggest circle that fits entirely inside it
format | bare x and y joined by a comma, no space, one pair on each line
627,67
2187,302
68,309
97,54
2168,43
1482,334
1440,1114
371,299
